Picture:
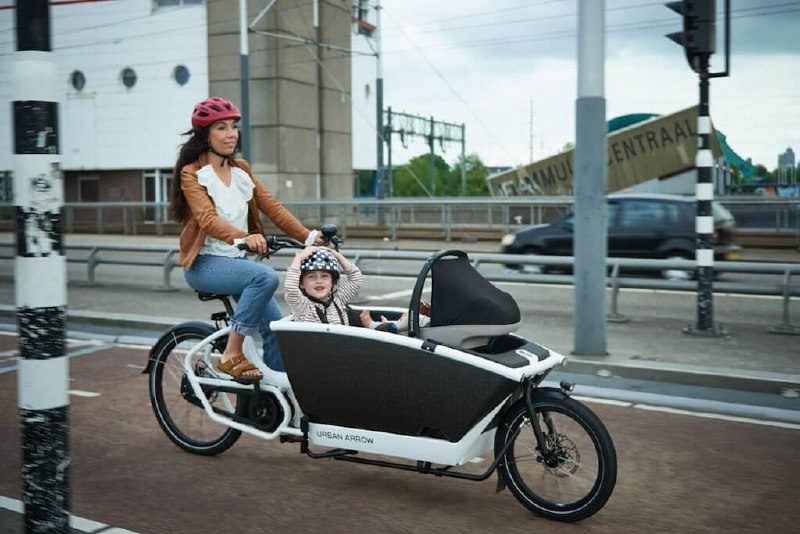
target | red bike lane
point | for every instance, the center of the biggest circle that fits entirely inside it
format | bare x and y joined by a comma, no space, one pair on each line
677,472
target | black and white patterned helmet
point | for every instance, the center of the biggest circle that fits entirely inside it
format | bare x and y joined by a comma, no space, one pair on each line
321,260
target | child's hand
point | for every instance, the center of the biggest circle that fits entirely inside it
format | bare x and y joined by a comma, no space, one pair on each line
403,322
301,255
306,252
366,318
424,308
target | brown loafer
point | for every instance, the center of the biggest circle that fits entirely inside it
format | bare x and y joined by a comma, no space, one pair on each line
240,369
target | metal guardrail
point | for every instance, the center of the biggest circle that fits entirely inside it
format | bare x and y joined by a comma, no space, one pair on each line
450,216
166,259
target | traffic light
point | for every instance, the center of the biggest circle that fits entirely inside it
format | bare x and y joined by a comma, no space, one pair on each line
699,36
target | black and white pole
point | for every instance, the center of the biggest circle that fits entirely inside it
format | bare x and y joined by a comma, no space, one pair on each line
39,274
704,222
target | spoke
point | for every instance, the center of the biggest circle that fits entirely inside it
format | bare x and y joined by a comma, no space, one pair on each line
526,459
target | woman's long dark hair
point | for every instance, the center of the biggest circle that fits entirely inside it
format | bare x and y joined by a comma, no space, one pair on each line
190,151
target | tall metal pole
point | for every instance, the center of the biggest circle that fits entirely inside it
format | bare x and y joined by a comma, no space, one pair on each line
40,274
463,161
431,159
388,137
379,170
244,75
590,182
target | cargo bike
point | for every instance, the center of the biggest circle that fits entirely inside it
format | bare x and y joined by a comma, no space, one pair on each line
459,389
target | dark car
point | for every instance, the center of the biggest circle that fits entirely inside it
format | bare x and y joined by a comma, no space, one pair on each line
639,226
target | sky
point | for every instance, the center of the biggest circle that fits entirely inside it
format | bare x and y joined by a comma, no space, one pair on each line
507,70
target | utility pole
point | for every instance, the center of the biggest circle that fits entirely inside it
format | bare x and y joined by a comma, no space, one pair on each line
463,160
40,274
699,40
431,157
530,133
380,193
408,125
591,173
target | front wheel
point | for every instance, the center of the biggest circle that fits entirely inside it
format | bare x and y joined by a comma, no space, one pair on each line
575,479
178,411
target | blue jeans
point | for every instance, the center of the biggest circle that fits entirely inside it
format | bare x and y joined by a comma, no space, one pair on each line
252,285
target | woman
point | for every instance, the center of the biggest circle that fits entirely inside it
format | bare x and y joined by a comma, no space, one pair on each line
218,200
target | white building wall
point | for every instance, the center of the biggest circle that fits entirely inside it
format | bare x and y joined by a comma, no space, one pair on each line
107,126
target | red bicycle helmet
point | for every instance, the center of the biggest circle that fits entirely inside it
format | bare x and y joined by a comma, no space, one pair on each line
213,109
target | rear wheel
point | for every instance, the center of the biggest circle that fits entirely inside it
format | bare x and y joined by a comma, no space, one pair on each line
576,478
178,411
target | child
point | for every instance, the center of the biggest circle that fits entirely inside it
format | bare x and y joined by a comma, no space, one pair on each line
311,287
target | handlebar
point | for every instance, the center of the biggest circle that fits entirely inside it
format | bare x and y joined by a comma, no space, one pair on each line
330,238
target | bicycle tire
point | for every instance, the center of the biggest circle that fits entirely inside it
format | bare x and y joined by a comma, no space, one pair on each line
169,394
572,428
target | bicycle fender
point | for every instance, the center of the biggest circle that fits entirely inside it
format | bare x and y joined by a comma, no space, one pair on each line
166,337
548,393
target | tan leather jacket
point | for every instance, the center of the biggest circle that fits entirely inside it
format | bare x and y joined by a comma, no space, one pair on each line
202,219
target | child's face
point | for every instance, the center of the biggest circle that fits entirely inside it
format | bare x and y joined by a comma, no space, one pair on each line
317,284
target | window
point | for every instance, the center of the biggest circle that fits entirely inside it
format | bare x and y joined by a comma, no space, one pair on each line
5,186
88,189
77,80
181,75
155,188
128,77
642,214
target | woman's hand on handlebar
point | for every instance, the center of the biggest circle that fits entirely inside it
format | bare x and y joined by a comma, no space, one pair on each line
256,243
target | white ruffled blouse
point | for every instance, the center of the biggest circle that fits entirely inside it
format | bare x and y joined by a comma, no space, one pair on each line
231,204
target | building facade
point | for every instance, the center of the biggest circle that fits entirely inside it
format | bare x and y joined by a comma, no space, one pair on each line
131,71
786,160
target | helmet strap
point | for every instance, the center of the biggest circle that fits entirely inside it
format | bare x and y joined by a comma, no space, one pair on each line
224,157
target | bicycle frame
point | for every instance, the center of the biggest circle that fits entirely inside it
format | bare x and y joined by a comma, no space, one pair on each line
224,384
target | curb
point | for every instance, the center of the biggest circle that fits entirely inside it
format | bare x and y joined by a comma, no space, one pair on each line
786,385
753,381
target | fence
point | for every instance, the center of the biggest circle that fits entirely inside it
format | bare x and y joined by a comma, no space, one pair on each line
165,258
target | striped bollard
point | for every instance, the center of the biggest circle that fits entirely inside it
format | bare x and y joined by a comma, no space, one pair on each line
704,222
40,274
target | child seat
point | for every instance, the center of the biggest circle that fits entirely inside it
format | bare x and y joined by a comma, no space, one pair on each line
466,309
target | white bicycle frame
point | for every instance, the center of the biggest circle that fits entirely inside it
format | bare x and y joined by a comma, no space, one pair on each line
474,443
272,382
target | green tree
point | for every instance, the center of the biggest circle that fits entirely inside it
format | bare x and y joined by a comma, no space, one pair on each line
476,173
414,178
